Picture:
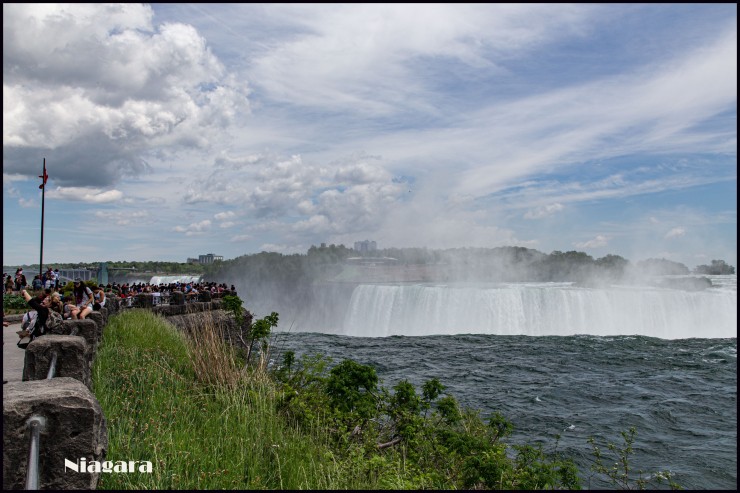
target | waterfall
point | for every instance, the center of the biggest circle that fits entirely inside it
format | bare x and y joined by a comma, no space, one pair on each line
540,309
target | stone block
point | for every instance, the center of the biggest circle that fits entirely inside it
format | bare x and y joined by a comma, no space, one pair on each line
177,298
88,329
144,300
74,358
97,317
74,428
104,312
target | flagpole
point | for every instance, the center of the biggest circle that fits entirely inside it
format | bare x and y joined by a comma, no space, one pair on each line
43,192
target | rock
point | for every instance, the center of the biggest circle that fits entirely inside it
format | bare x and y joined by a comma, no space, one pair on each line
74,428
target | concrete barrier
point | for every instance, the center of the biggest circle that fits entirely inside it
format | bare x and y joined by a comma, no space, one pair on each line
74,428
73,358
88,329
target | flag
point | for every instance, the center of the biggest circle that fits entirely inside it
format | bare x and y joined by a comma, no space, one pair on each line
44,177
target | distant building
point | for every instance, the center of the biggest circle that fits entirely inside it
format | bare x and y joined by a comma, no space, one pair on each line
365,246
209,258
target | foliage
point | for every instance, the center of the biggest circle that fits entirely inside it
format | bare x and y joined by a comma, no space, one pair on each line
392,439
718,268
662,267
199,435
233,304
169,398
620,473
14,302
350,387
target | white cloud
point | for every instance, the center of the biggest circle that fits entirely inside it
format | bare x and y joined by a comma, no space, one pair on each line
597,242
544,211
126,217
222,216
99,85
85,194
675,233
240,238
194,228
361,57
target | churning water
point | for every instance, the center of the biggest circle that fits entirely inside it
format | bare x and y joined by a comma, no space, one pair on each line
559,359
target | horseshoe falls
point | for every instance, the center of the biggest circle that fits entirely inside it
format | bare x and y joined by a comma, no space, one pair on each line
557,359
540,309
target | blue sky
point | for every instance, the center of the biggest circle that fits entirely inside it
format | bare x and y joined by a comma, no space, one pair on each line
173,130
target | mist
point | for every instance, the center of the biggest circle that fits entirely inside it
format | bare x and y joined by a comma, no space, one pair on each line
505,290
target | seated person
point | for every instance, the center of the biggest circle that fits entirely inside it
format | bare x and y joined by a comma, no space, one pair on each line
56,303
83,300
41,304
69,305
99,296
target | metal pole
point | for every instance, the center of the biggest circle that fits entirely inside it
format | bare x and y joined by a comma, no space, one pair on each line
52,366
36,424
43,193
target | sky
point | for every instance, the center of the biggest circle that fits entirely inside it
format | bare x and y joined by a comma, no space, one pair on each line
175,130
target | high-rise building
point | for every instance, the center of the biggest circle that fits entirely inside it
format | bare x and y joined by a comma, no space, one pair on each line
209,258
365,246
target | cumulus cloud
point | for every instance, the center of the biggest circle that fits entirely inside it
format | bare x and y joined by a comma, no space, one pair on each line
101,87
597,242
85,194
544,211
222,216
352,194
194,228
675,233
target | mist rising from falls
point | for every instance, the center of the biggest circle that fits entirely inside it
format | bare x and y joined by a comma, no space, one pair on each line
540,309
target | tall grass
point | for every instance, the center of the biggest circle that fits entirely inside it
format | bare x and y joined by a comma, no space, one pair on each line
189,407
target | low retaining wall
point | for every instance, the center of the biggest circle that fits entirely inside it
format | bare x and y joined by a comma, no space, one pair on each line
72,422
74,426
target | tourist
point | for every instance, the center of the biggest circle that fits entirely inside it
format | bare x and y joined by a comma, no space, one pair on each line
20,279
36,284
57,304
69,307
41,304
83,300
99,296
49,281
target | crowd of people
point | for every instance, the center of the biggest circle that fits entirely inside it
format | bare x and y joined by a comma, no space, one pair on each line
189,288
18,282
83,300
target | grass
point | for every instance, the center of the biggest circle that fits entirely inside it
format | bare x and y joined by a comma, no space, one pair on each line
183,400
191,409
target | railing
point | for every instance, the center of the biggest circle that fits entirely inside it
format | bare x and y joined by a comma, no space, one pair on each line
52,366
165,299
36,424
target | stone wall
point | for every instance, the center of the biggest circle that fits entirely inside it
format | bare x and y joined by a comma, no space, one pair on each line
73,422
